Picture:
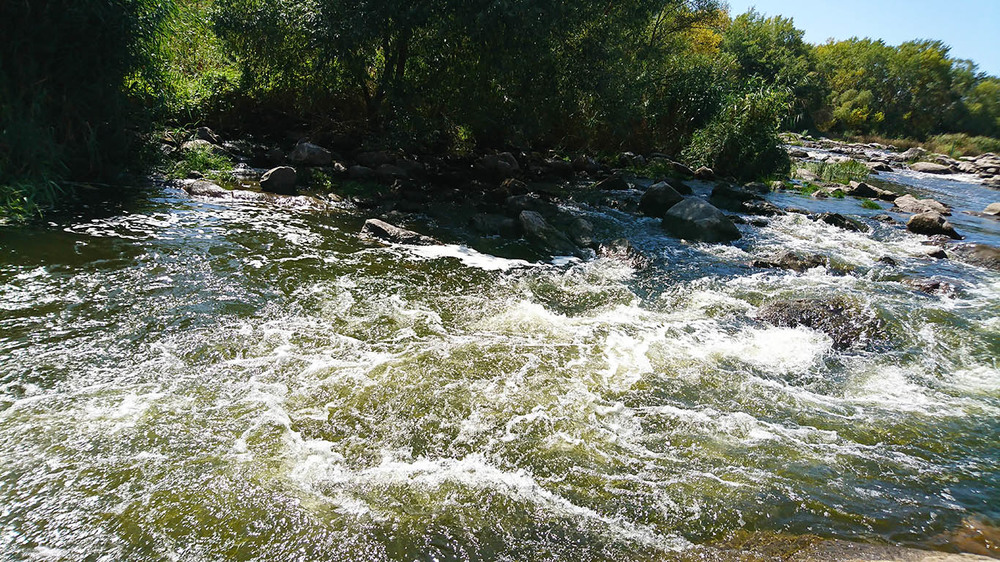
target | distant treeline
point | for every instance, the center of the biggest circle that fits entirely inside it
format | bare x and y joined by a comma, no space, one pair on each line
81,81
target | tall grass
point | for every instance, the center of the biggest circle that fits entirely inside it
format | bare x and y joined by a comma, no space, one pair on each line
838,172
955,145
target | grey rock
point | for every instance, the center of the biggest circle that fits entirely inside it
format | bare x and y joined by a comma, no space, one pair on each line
360,173
910,204
992,209
980,255
658,199
201,188
279,180
694,219
538,231
496,225
840,221
930,168
382,230
308,154
931,224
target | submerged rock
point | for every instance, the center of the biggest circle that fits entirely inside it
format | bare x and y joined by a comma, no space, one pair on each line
979,254
612,183
793,261
695,219
538,231
931,224
623,251
202,188
382,230
848,325
840,221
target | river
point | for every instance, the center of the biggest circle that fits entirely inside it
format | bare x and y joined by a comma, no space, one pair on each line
186,379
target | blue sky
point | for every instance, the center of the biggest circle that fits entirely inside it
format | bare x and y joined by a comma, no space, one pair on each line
970,27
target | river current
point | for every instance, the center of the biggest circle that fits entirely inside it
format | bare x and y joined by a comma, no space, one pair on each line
186,379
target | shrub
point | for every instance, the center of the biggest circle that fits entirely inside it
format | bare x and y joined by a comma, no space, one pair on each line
742,140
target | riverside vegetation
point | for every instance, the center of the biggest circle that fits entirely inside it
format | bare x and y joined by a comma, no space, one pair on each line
677,77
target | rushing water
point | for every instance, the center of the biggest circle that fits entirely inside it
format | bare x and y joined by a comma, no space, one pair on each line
195,380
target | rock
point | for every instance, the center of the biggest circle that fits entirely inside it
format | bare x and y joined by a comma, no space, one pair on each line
586,164
797,153
930,224
279,180
308,154
888,260
980,255
883,217
390,233
865,191
878,167
805,174
840,221
201,144
389,173
204,189
742,200
206,134
515,186
658,199
375,158
682,169
502,165
581,232
559,168
932,286
274,156
496,225
623,251
360,173
516,204
936,253
539,231
910,204
695,219
849,326
930,168
612,183
993,209
912,154
704,173
793,261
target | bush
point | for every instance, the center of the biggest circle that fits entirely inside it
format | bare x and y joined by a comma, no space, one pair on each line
742,140
839,172
70,74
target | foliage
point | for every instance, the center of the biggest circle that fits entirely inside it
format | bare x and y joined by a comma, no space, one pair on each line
75,76
869,204
960,144
742,140
205,161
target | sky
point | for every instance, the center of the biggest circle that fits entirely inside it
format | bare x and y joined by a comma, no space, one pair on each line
970,27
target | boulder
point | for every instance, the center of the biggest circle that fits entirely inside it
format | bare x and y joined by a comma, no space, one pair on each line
308,154
382,230
279,180
695,219
658,199
930,168
612,183
704,173
793,261
586,164
621,250
682,169
538,231
910,204
201,144
846,324
502,165
806,174
206,134
515,186
992,209
581,232
878,167
516,204
931,224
